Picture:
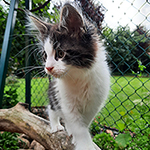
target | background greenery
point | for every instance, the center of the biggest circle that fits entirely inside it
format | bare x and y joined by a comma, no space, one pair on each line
120,111
126,47
127,108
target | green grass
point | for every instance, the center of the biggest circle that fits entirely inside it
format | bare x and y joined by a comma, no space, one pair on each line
39,88
127,106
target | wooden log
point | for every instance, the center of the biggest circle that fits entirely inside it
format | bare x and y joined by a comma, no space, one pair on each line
19,119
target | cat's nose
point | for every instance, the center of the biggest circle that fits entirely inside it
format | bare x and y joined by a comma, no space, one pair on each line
49,68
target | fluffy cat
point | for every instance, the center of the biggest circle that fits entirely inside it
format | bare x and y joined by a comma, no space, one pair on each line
76,59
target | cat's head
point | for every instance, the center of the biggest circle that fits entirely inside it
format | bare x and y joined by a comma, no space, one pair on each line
69,44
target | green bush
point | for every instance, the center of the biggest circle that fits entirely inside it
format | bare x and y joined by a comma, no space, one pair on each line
8,141
123,141
105,141
10,94
125,47
140,141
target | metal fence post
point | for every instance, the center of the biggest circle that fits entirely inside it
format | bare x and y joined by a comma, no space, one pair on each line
27,63
7,45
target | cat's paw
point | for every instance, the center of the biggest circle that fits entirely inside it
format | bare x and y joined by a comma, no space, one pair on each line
57,128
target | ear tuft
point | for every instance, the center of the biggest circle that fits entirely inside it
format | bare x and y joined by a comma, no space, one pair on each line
70,18
38,24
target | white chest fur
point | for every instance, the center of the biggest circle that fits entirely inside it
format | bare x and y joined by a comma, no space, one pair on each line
83,92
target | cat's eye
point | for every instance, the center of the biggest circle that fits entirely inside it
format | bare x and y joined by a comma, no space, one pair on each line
60,54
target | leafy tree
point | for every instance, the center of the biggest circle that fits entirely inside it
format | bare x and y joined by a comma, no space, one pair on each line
123,46
143,47
20,36
3,16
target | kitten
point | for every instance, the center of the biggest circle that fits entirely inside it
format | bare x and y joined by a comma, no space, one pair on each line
76,59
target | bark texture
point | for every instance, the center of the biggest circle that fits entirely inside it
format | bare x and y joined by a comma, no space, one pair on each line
19,119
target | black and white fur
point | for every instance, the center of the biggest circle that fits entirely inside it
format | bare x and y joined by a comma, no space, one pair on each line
76,59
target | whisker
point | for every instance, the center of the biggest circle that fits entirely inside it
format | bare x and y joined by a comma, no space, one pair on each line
41,72
32,53
38,67
24,49
67,74
44,75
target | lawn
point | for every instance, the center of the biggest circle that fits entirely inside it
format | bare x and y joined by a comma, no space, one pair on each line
127,106
39,88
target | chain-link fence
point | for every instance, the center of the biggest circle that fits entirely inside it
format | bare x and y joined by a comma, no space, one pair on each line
128,46
124,27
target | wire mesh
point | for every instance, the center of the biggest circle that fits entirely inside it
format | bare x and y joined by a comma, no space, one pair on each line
128,47
127,40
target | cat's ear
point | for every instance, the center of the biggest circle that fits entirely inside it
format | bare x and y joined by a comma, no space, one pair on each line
38,24
70,18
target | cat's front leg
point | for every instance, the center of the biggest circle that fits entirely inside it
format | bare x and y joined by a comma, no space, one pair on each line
81,136
54,120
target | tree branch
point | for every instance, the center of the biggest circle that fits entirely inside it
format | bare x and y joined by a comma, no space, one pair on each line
19,119
40,7
32,10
